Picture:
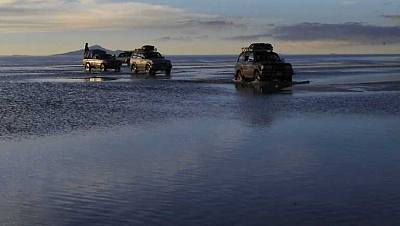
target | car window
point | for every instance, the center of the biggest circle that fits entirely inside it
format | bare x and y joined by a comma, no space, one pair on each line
251,57
246,56
152,55
242,58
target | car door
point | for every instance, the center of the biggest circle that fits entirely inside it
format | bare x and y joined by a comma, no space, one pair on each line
141,62
248,65
137,60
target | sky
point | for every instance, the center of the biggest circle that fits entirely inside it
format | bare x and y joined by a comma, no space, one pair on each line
43,27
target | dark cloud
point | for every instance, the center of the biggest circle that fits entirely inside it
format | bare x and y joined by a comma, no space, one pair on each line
172,38
394,17
212,23
252,37
23,11
391,16
346,32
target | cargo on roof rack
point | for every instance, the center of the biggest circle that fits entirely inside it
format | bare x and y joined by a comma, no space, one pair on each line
146,48
258,47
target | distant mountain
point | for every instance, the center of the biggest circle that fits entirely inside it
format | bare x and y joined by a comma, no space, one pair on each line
81,51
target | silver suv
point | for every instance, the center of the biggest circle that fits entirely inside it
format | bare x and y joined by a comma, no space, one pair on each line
148,60
101,60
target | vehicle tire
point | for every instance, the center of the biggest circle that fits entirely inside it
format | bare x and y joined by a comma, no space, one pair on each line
168,72
257,76
239,76
134,68
149,70
103,68
88,68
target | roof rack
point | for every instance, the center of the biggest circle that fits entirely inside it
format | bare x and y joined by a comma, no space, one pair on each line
146,48
258,47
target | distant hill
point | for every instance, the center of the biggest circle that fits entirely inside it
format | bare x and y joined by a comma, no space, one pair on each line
81,51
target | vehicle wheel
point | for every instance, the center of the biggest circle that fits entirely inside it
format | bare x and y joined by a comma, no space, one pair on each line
257,76
103,68
168,72
88,68
239,76
134,68
149,70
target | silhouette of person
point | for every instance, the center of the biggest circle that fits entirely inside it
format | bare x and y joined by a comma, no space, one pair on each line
86,53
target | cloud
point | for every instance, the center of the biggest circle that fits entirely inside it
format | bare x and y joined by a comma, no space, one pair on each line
394,17
182,38
212,23
63,15
251,37
349,2
175,38
356,33
7,2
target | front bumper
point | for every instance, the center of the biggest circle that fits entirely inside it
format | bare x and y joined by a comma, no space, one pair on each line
282,73
161,67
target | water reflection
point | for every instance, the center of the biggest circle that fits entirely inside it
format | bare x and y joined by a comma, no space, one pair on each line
260,88
100,79
153,152
147,76
204,172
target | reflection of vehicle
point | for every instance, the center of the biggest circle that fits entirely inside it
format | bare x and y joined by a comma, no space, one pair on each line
258,88
125,57
259,63
148,60
101,60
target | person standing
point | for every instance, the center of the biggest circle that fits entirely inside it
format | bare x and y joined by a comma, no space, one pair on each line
86,53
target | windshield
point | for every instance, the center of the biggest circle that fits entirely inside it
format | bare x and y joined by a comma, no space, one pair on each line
153,55
269,57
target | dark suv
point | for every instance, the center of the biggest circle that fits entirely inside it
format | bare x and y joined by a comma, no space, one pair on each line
148,60
259,62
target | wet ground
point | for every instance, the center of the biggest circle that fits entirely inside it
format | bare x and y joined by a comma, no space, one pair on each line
197,150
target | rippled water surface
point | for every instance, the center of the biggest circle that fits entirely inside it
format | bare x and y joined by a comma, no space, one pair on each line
196,149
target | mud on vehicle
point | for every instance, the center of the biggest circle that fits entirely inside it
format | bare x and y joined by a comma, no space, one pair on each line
99,59
260,63
148,60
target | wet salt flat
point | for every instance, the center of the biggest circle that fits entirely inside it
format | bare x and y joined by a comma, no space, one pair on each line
196,149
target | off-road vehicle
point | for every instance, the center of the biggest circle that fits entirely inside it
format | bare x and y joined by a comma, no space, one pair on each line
99,59
148,60
260,63
125,57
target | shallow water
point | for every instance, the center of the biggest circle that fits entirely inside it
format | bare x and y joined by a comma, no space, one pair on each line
196,150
